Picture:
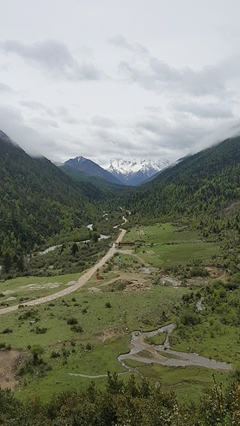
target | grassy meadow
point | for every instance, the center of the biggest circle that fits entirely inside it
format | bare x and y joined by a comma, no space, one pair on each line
168,246
84,332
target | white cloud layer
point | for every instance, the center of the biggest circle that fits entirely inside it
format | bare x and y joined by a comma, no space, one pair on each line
118,79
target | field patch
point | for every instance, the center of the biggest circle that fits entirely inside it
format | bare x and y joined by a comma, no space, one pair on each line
167,246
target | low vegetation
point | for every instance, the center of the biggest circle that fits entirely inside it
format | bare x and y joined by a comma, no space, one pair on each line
133,403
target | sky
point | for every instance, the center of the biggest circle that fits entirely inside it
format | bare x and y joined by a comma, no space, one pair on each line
110,79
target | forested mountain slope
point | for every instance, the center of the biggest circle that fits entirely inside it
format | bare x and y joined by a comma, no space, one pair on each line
204,186
38,199
100,182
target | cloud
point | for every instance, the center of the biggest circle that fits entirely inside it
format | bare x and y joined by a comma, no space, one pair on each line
45,123
4,88
207,110
97,120
54,57
153,73
160,77
36,106
13,124
65,116
121,42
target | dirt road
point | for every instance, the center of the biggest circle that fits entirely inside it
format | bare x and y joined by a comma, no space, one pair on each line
82,280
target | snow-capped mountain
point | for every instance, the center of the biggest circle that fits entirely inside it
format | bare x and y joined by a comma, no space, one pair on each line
93,169
134,172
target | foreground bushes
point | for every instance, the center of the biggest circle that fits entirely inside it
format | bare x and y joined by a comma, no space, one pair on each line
123,404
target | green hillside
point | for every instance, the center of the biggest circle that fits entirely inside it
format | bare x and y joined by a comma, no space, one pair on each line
38,200
204,186
97,181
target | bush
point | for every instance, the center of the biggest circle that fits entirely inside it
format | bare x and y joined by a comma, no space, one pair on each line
7,330
89,347
77,328
39,330
55,354
72,321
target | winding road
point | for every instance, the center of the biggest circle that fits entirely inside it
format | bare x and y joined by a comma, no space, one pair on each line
80,283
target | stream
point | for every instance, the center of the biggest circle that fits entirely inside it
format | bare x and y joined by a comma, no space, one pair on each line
156,353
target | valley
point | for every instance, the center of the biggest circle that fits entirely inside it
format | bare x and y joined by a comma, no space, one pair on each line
157,301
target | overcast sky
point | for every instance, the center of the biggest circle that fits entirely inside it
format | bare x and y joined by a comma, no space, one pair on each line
119,78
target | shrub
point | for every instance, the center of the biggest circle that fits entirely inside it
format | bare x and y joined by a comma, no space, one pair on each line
89,346
55,354
7,330
72,321
39,330
77,328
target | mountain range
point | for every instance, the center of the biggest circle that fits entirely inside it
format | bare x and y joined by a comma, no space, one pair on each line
119,171
136,171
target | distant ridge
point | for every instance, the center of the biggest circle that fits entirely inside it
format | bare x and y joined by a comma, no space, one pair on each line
93,169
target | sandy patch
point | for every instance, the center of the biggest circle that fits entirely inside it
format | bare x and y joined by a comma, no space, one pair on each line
168,281
108,334
200,281
39,286
10,299
122,251
94,289
71,283
129,284
7,292
136,285
215,272
9,361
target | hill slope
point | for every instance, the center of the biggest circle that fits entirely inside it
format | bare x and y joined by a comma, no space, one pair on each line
99,182
38,199
204,186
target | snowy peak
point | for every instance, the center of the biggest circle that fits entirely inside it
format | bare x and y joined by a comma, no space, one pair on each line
136,171
80,159
88,166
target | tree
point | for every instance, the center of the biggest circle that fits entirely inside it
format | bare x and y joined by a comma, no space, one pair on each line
74,249
36,351
7,262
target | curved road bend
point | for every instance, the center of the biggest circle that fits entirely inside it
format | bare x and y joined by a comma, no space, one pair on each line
80,283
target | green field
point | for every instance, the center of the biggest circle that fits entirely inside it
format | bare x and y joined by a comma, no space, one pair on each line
83,333
166,245
20,290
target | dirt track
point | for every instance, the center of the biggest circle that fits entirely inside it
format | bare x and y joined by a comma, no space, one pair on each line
82,280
